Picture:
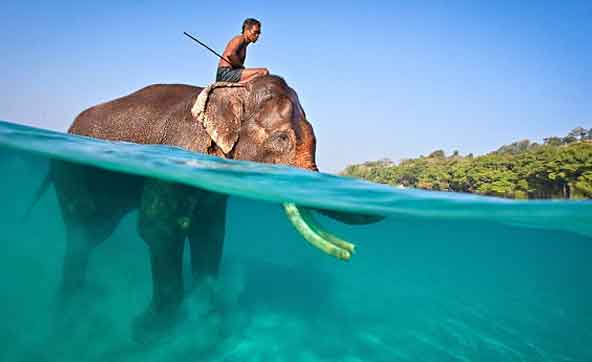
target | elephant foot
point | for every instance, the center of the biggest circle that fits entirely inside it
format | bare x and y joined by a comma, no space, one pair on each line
154,326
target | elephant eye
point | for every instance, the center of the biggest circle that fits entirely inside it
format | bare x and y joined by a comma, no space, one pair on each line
279,142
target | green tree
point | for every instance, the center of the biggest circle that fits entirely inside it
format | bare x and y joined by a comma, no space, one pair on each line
578,133
437,154
519,170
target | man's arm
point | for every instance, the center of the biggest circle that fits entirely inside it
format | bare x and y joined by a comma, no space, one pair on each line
231,52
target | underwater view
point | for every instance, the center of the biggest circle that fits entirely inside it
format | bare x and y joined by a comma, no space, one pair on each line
441,277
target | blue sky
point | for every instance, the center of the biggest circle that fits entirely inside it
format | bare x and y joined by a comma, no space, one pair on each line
376,78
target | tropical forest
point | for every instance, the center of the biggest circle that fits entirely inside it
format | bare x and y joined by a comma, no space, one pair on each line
557,168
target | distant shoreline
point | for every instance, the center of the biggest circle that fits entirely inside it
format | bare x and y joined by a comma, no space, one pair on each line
561,168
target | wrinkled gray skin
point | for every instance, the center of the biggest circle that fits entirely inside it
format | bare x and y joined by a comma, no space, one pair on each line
271,127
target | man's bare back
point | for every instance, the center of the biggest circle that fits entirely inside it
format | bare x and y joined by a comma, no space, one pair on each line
232,69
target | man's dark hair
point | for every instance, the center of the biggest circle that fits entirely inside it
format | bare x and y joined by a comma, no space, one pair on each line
249,22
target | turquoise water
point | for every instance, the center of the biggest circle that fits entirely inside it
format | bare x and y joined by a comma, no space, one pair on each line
445,277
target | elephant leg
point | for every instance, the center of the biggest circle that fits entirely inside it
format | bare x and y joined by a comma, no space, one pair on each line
206,236
164,220
81,239
86,224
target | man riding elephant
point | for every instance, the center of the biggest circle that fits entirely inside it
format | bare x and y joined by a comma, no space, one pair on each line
231,66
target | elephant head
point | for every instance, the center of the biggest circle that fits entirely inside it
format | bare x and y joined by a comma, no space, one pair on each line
263,121
259,121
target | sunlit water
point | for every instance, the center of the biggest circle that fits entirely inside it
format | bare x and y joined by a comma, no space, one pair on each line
445,277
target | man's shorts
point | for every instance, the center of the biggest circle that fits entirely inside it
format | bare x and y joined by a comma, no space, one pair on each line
227,74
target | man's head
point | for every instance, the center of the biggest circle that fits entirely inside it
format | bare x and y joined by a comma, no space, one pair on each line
251,29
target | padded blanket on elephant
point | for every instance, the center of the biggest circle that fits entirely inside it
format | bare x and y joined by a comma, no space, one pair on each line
199,112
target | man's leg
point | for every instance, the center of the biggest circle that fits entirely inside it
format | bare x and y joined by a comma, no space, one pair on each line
250,73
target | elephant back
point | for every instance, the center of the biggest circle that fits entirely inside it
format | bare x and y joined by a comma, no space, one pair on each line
141,117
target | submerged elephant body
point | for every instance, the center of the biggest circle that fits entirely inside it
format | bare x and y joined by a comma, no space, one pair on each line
261,121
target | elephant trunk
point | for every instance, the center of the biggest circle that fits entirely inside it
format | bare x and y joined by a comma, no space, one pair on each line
302,218
305,148
305,158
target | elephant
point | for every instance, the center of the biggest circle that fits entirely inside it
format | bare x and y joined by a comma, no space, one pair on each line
260,121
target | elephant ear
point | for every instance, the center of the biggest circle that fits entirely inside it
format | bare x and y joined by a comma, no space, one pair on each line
220,108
